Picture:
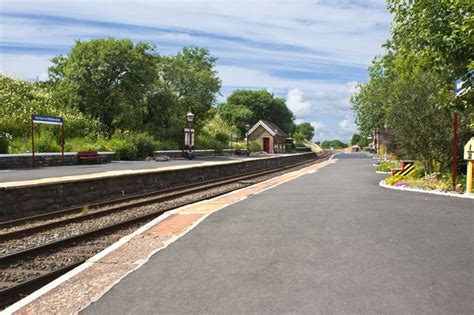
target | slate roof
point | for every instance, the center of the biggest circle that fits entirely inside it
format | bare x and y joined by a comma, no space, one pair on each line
270,127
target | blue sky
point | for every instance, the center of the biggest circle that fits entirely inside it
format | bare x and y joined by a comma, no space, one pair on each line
311,52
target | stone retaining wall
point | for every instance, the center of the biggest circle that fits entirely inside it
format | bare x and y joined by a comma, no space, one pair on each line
178,153
12,161
21,201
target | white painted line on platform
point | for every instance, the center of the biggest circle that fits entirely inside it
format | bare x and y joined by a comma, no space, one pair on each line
424,191
4,171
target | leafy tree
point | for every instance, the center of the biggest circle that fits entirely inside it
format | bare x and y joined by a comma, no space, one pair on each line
191,78
106,78
441,33
333,144
410,86
304,131
21,99
359,140
249,106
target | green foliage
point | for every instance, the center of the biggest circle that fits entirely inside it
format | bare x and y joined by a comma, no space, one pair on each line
107,79
191,79
333,144
359,140
386,166
249,106
410,86
86,144
20,99
395,179
254,146
206,141
4,142
304,131
440,31
168,145
132,146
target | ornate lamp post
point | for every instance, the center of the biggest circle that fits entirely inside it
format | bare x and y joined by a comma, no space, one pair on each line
190,118
247,128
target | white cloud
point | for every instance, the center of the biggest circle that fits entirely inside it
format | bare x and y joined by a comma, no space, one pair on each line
257,48
295,103
318,126
347,126
30,67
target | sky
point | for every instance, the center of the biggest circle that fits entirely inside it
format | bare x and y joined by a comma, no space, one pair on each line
311,52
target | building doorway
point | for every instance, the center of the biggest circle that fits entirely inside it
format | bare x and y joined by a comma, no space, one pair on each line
266,145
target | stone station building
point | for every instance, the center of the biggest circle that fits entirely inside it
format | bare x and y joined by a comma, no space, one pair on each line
271,137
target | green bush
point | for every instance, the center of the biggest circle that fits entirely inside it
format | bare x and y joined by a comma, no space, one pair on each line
168,145
4,142
124,150
394,179
417,173
386,166
87,144
145,145
47,143
254,146
206,141
222,137
132,146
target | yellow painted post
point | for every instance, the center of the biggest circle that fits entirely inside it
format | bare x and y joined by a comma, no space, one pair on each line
469,177
469,156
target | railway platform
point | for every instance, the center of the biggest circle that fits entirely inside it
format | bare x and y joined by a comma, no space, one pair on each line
115,167
324,239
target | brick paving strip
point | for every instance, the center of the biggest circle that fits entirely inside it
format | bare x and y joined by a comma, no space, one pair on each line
75,290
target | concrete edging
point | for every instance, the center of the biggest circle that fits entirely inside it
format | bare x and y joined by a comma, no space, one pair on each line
424,191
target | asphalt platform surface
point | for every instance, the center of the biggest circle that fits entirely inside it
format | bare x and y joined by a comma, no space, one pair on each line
71,170
328,242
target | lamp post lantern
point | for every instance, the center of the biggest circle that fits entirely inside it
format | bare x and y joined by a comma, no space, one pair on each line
247,128
188,135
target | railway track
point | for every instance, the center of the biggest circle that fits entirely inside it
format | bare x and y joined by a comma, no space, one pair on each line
25,268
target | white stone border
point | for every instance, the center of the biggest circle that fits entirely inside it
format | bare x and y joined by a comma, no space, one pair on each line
379,172
433,192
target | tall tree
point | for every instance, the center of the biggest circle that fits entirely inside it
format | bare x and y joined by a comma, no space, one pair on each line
249,106
106,78
192,78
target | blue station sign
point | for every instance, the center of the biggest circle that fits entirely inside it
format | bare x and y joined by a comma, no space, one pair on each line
51,120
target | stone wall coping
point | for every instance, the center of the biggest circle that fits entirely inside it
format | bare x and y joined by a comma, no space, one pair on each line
48,154
123,173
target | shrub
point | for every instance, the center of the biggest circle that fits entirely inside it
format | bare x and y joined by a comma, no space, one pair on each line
222,137
47,143
145,145
168,145
132,146
386,166
394,179
124,150
254,146
206,141
4,142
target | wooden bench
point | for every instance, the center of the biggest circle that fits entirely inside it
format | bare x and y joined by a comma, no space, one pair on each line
92,156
